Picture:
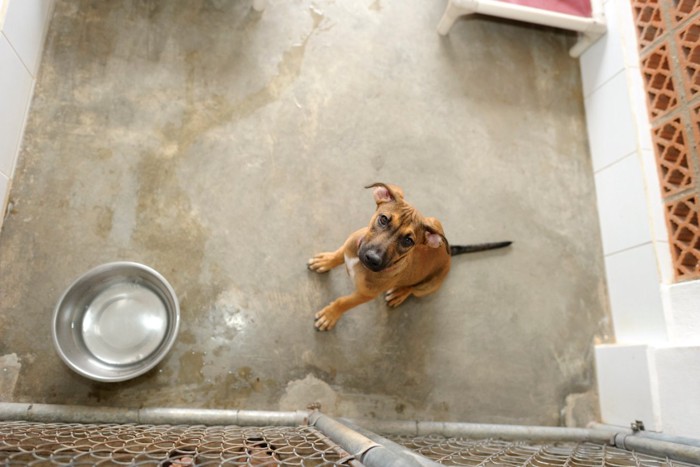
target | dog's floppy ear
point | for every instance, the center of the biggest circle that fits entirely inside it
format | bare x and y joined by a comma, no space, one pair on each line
386,193
434,233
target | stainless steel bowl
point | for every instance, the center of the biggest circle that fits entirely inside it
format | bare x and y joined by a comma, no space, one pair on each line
116,321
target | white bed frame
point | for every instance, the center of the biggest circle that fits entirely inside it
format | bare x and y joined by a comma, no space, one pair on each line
589,29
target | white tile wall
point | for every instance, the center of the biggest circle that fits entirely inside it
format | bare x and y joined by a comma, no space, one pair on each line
635,298
605,58
612,133
622,207
663,253
3,12
655,201
15,92
625,29
633,228
23,27
624,375
632,222
638,104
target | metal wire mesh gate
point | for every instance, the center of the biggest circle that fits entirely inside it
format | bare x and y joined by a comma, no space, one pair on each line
491,452
24,443
62,436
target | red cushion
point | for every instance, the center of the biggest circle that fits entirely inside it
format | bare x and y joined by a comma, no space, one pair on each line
569,7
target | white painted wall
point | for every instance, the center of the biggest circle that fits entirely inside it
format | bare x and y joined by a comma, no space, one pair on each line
683,313
23,26
678,386
651,373
622,367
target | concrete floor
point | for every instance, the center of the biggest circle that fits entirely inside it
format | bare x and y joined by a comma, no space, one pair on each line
224,147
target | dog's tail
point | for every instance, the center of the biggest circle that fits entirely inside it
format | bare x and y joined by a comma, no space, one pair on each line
461,249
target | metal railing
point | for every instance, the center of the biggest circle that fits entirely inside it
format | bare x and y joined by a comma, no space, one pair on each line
36,434
462,451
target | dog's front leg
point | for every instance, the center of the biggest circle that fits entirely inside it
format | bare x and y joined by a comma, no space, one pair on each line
324,262
326,318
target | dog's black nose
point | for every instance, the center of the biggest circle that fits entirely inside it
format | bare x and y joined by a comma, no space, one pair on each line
373,260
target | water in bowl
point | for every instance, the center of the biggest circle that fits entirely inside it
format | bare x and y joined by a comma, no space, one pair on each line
124,324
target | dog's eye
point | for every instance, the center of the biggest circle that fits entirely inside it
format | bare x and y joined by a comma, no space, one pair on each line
407,242
382,220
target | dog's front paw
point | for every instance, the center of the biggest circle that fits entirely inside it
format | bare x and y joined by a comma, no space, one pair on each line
397,296
322,262
326,319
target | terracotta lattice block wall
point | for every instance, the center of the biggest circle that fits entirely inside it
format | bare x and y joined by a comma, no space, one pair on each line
658,78
675,167
647,16
669,42
683,218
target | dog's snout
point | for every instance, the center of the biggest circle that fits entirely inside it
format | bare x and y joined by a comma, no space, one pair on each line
372,260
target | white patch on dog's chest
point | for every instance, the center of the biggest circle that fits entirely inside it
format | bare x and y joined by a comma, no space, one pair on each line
350,263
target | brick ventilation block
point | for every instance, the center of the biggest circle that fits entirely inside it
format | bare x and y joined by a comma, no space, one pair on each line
695,116
647,19
682,217
682,9
688,40
673,161
661,91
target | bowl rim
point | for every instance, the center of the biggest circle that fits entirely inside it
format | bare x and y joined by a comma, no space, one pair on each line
170,340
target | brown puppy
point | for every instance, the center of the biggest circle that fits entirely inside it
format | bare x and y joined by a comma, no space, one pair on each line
401,253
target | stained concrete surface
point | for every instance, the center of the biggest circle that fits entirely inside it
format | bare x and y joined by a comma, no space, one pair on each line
224,147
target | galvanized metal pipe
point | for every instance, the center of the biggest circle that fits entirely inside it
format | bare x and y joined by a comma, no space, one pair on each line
362,448
50,413
654,447
377,451
479,430
648,434
623,440
390,445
